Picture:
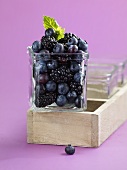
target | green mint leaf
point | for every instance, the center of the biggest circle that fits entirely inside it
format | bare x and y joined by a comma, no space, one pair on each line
49,22
60,33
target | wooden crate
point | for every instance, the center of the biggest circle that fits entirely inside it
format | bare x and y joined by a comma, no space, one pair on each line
87,129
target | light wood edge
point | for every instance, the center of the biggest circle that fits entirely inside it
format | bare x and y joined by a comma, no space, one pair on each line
29,126
110,101
101,100
106,109
94,130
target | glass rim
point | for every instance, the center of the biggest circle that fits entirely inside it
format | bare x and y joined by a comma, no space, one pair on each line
30,51
103,75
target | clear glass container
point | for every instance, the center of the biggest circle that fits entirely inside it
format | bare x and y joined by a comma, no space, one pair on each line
58,81
120,61
102,80
122,72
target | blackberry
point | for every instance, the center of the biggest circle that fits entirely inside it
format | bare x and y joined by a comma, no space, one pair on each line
77,87
62,59
75,36
65,48
67,36
61,75
45,99
64,40
48,43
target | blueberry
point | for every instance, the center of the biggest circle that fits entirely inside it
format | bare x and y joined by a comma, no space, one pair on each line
70,150
79,102
72,41
87,54
82,45
71,96
42,78
40,67
73,49
38,57
58,48
63,88
45,55
51,65
49,32
36,46
51,86
77,77
39,89
79,56
61,100
74,66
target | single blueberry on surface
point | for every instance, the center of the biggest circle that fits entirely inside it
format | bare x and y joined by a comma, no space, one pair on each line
51,86
79,102
77,77
74,66
58,48
82,45
73,49
53,64
61,100
72,41
49,32
70,150
36,46
71,96
63,88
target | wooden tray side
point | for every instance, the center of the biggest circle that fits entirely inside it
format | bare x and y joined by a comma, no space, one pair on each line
59,128
112,114
94,130
30,126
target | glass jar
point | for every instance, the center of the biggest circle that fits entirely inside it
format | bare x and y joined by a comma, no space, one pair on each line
120,61
122,73
102,80
58,81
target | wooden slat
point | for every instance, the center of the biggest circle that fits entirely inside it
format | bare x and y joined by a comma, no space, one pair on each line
30,126
94,131
112,114
62,128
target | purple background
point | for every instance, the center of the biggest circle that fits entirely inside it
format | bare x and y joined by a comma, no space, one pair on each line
103,24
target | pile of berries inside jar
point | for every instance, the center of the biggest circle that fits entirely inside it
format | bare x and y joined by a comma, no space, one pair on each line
57,69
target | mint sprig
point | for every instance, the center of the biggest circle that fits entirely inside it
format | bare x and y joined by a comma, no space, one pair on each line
49,22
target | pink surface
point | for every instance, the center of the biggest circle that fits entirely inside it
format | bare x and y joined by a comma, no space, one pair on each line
104,25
